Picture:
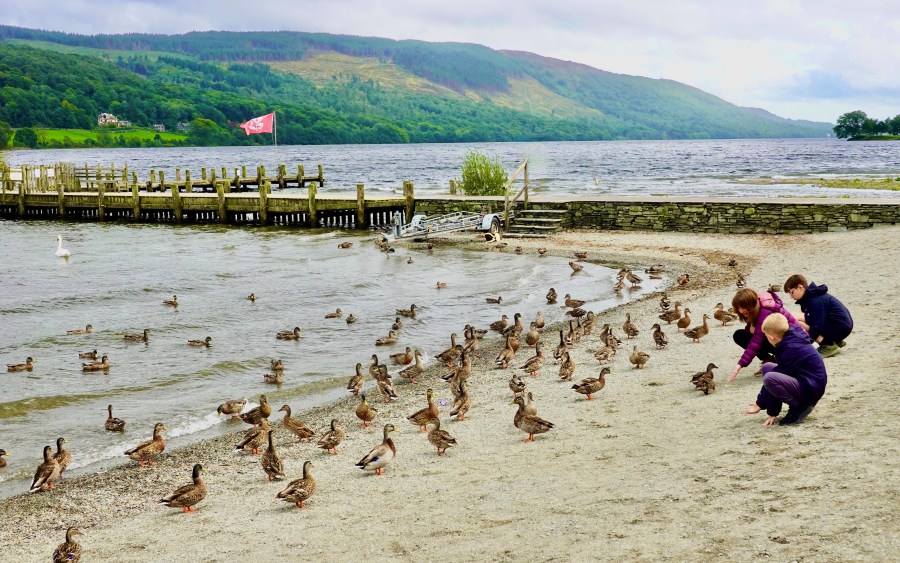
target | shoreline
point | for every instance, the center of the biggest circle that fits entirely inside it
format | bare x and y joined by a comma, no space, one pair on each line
650,470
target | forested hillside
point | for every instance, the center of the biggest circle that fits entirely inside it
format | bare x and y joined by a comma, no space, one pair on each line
471,93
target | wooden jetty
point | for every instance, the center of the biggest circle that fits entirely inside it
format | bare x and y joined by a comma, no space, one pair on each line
42,194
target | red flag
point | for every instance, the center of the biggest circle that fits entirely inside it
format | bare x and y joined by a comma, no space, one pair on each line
261,124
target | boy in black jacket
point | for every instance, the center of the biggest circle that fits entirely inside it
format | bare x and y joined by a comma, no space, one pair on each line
826,319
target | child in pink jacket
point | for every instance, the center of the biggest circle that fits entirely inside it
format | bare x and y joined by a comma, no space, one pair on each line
753,308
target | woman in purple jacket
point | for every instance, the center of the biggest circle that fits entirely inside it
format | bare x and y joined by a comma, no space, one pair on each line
753,308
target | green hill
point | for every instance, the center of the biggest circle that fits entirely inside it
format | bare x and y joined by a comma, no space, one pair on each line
347,89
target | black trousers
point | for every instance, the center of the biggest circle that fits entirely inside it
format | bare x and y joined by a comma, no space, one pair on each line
766,353
833,333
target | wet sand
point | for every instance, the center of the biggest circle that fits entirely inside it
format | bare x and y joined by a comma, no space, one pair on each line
650,470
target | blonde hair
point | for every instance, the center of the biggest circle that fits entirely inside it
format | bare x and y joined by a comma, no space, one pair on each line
776,325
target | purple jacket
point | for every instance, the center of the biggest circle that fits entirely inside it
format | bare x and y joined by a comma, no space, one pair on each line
797,358
769,303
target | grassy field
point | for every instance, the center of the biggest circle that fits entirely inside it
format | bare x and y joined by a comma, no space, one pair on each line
892,184
80,135
109,55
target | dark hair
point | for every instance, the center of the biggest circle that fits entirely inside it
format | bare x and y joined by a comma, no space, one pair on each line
794,281
746,299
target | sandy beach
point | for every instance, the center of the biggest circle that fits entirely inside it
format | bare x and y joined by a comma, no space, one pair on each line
651,470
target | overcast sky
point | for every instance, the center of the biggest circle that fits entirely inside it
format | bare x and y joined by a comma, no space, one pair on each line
802,59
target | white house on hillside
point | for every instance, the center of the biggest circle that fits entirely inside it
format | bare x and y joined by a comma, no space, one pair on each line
107,119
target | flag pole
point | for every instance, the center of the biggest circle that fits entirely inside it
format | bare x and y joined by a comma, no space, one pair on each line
275,127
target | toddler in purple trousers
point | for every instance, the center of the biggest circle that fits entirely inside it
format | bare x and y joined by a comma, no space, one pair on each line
798,377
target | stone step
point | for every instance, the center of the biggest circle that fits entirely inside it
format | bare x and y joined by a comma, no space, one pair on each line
521,219
524,235
521,212
545,228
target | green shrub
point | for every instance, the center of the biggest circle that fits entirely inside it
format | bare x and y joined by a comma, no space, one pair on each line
482,175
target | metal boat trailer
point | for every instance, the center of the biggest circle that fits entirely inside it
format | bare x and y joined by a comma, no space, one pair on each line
423,226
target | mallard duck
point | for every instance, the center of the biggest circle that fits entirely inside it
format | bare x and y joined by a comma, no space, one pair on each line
506,355
591,385
699,332
391,338
301,489
296,426
684,321
410,260
534,364
173,302
581,255
775,287
619,286
741,282
659,337
703,380
356,382
664,303
27,366
364,412
335,315
440,285
516,327
683,279
351,318
205,342
145,451
70,550
576,267
612,341
573,303
345,245
542,251
462,369
470,340
530,404
373,367
733,263
415,370
654,269
462,403
189,495
276,378
532,424
3,461
137,337
518,250
252,298
605,354
566,367
723,316
495,300
517,385
86,330
441,439
398,324
552,296
539,321
424,416
638,358
629,328
562,347
271,461
102,365
672,315
381,455
633,278
88,355
255,415
572,335
451,353
385,384
46,473
232,408
333,438
411,312
532,336
500,325
276,365
62,456
254,438
112,423
290,334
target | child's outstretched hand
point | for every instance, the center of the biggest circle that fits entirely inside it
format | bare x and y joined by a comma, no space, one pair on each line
752,408
734,374
770,420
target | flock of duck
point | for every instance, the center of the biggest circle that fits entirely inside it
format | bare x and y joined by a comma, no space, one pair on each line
458,359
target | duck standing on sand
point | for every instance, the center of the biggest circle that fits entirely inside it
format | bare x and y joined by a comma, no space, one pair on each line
189,495
356,382
381,455
145,451
591,385
256,415
703,380
232,408
365,412
332,439
425,416
301,489
699,332
296,426
441,439
254,438
638,358
62,456
415,370
271,461
70,550
46,473
532,424
659,337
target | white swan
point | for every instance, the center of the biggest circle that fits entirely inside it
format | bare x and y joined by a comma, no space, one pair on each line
60,251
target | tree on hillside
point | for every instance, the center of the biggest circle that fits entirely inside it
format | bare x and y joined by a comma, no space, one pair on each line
850,124
6,133
894,125
26,137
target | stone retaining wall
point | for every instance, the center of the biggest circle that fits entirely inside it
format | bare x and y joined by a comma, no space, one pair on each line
701,215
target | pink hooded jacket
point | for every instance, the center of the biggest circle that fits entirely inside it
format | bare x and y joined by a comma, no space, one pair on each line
769,303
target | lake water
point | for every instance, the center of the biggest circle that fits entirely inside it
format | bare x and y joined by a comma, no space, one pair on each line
119,274
676,168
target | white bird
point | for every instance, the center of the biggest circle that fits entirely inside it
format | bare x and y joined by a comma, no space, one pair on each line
60,251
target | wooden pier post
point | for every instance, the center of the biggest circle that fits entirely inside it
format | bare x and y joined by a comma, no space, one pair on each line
220,191
237,181
312,218
452,187
260,175
264,202
21,194
282,172
300,171
188,185
410,200
61,199
101,204
176,198
321,176
361,206
526,185
152,180
203,173
136,201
